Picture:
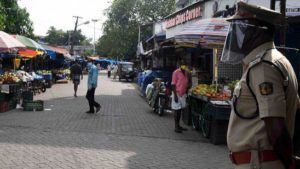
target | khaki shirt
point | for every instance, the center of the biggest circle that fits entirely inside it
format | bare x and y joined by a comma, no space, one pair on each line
249,134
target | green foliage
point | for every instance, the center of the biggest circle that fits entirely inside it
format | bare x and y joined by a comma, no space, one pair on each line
120,31
62,38
15,20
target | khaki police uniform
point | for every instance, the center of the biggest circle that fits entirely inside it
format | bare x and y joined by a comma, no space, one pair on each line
250,134
268,88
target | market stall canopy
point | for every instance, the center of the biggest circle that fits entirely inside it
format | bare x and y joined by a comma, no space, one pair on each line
62,51
8,43
28,53
209,33
158,37
49,51
29,43
107,61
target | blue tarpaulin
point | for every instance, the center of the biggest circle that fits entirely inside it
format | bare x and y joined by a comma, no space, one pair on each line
49,51
105,62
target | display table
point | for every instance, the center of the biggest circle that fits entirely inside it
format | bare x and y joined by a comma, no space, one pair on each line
211,116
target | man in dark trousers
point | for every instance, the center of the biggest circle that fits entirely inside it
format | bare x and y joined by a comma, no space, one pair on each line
76,73
92,85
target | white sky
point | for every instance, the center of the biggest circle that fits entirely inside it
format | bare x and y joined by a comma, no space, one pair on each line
59,13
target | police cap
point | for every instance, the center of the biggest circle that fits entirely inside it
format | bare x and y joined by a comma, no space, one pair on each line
247,11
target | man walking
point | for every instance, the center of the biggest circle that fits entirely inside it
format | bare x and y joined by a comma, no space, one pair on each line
265,101
76,73
180,81
92,85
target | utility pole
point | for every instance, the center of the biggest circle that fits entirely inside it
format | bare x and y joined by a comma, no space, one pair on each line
73,34
283,31
94,44
272,4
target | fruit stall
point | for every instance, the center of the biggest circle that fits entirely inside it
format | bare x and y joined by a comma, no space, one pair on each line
47,75
210,110
10,91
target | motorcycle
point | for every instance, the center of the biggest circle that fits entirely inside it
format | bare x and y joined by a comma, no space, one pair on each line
159,96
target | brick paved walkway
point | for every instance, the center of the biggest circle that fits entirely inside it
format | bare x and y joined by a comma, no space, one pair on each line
125,134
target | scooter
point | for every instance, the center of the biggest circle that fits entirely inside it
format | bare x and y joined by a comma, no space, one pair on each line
161,96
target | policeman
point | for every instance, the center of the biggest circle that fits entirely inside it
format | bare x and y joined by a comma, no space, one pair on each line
265,100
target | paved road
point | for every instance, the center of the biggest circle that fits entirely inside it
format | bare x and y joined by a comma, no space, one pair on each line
125,134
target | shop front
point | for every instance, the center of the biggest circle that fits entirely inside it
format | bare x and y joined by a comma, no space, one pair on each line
200,42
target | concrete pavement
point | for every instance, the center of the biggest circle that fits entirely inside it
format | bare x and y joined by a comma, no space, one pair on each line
125,134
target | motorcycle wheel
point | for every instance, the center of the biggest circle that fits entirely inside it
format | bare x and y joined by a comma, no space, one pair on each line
160,110
43,89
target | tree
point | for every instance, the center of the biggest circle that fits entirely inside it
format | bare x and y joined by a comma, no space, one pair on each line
2,17
62,38
15,19
120,31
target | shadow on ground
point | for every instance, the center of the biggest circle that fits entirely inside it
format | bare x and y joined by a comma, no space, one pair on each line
124,129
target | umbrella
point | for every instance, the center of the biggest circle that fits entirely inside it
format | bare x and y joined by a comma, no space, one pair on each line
28,53
208,33
8,43
29,43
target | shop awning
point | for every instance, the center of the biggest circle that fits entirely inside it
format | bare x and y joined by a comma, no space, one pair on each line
28,53
49,51
8,43
158,37
61,51
29,43
209,33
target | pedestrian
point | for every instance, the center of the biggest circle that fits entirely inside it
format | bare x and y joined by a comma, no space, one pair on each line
76,73
92,85
265,100
115,71
109,67
180,83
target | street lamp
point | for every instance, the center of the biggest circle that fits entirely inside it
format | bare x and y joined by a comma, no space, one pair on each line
75,30
94,45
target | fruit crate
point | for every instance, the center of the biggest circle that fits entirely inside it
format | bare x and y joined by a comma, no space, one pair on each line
27,95
12,104
3,106
37,105
3,96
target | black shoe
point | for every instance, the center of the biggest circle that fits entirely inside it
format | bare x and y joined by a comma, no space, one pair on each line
98,108
89,112
182,128
177,130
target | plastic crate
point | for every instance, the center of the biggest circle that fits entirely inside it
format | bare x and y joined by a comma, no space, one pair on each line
219,112
37,105
3,106
2,97
27,95
12,104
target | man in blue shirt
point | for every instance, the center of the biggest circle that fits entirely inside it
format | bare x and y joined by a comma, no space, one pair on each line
92,85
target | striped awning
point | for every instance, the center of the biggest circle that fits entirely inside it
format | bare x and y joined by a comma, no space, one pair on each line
209,33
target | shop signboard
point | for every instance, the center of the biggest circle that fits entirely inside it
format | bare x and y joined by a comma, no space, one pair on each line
176,21
184,16
293,11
